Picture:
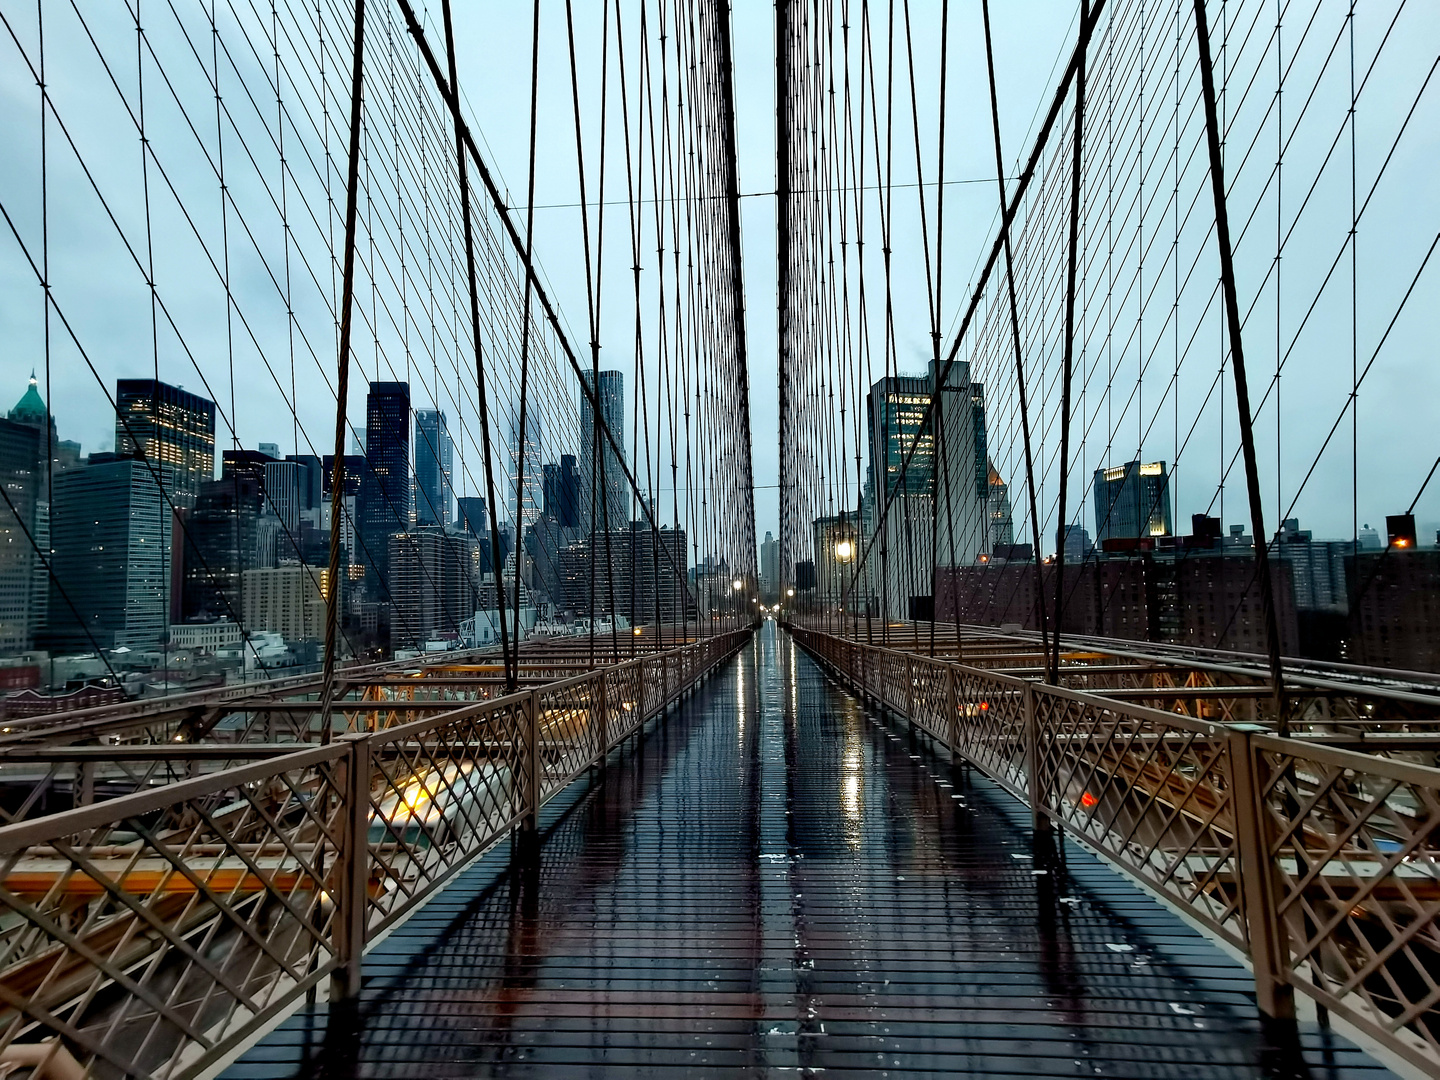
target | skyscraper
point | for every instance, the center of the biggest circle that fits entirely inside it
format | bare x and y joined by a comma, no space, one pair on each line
284,495
896,409
960,467
167,424
1132,501
997,511
434,476
384,502
472,516
21,458
220,544
604,494
562,491
527,491
433,581
769,566
897,569
110,536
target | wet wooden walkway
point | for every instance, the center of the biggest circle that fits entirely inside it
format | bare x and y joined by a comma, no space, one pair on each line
774,883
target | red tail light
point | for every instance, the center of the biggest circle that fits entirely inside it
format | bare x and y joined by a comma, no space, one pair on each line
1087,800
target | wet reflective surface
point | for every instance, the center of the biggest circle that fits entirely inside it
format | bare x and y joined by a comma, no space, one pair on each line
777,883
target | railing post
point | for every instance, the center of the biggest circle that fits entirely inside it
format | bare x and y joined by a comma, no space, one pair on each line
1273,992
952,711
352,871
603,736
910,688
530,730
1038,789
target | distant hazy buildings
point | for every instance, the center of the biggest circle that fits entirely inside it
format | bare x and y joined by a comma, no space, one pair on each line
163,423
769,567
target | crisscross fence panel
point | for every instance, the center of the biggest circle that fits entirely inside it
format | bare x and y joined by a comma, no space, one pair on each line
156,933
1320,865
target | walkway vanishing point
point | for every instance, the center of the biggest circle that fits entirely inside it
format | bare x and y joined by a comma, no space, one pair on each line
776,881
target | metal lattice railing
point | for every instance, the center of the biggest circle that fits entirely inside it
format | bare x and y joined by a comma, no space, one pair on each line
155,933
1320,865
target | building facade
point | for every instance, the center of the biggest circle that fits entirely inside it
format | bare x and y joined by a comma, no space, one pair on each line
434,579
206,636
604,492
220,542
384,506
286,600
1132,501
165,423
527,474
21,461
110,534
434,468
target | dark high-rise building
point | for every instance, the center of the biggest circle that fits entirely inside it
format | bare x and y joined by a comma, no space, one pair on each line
110,537
472,516
220,543
562,492
896,410
1132,501
384,503
604,492
164,423
352,468
247,465
434,476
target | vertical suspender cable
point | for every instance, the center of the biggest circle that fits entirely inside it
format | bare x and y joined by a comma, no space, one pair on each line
1242,389
1075,171
1015,325
452,95
342,384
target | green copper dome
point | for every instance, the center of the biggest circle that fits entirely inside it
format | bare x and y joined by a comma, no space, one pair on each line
29,407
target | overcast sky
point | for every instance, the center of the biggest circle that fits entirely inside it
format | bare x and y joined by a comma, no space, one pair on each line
258,364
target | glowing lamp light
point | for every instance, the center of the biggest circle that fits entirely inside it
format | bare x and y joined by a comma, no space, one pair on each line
1087,800
844,549
736,584
789,592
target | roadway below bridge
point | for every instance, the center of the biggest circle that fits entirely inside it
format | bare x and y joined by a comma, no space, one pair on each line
776,881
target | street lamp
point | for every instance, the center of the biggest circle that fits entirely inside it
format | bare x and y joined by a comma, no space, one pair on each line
735,585
843,550
789,592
